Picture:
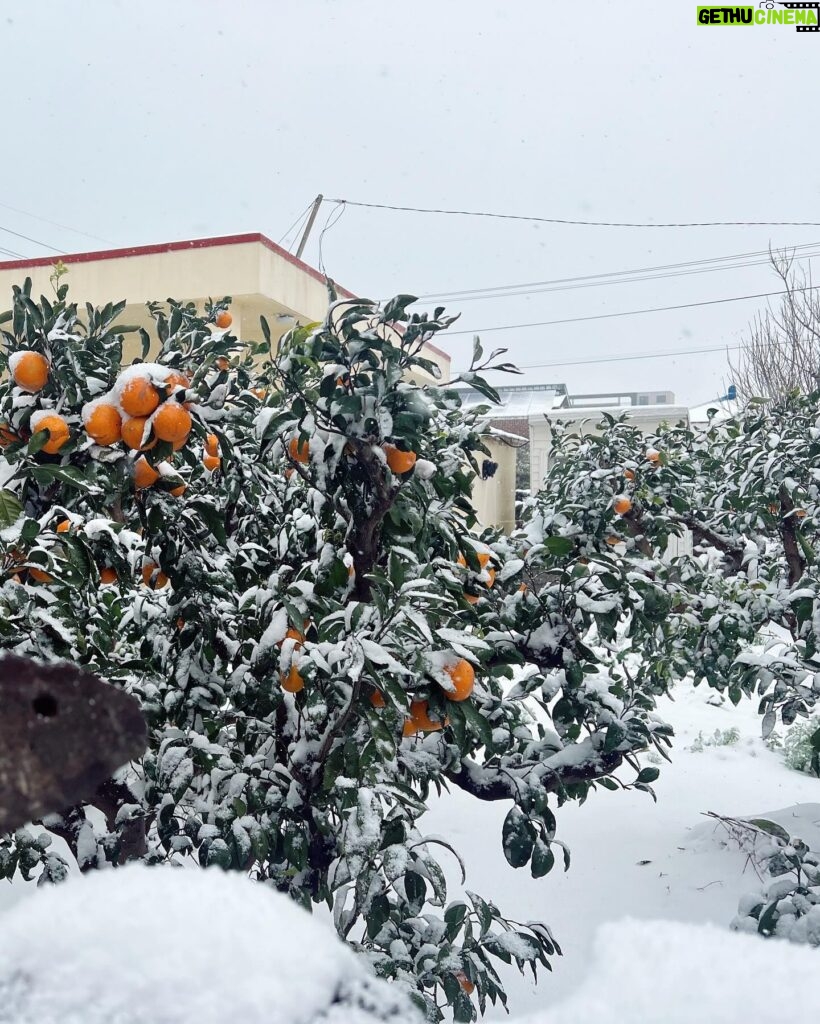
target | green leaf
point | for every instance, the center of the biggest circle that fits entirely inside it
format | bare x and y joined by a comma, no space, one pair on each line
771,828
415,889
559,546
10,509
66,474
478,723
518,838
211,516
454,917
647,775
543,859
615,735
37,441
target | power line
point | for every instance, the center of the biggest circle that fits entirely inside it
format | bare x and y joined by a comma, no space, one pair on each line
634,276
626,359
11,252
630,312
586,223
55,224
35,241
298,220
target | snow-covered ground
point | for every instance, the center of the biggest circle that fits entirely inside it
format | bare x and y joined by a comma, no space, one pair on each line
645,972
632,857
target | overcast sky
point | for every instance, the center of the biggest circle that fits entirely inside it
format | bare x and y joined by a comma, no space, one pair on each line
170,119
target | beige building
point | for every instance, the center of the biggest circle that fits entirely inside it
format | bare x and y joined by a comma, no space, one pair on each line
520,426
262,279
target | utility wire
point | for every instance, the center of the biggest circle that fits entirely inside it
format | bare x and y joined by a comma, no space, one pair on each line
626,359
655,273
11,252
586,223
56,224
298,221
35,241
636,279
630,312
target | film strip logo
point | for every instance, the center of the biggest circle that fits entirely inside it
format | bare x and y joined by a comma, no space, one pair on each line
801,7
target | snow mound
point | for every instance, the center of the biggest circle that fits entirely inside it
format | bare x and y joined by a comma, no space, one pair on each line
644,972
176,946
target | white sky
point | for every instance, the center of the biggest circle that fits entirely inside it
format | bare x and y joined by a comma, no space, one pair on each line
169,119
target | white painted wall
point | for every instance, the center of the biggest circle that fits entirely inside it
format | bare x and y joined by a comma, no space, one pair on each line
494,499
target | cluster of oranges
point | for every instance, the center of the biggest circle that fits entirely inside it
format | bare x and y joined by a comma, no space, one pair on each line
152,575
400,462
139,412
462,678
623,504
462,682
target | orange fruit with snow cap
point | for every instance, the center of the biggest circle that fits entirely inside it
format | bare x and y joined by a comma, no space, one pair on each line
139,397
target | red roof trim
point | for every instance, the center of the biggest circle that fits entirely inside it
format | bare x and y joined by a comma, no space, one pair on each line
195,243
151,250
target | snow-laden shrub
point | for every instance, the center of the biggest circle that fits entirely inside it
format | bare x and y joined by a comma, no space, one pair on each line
719,738
800,746
163,946
788,906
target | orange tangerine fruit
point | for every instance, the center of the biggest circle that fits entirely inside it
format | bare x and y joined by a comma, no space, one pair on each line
622,505
292,681
132,433
58,432
298,450
211,462
139,397
420,720
41,576
212,444
172,423
144,473
466,985
399,461
104,425
153,576
29,371
463,677
377,699
224,320
175,379
108,575
294,634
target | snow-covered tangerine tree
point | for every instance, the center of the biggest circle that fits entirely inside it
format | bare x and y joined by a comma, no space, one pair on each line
277,561
740,612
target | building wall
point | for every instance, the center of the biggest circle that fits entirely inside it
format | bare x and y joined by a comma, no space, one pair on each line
494,499
260,277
